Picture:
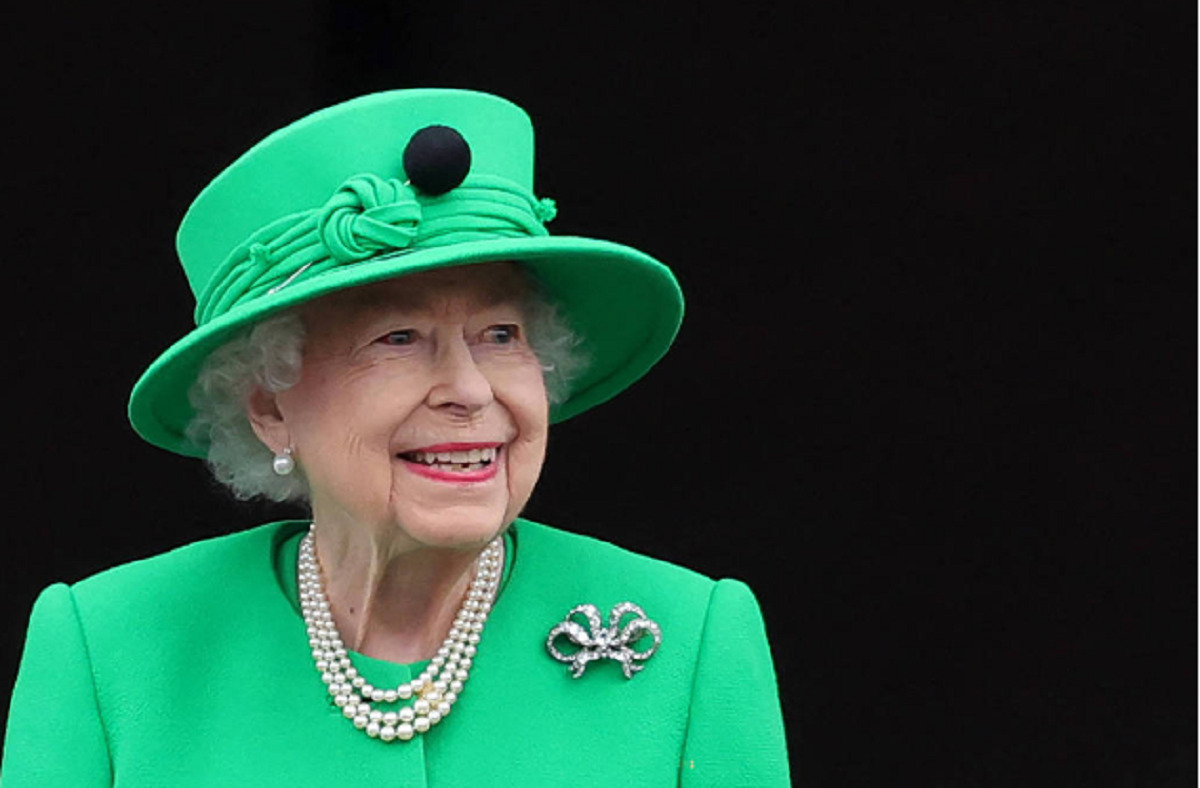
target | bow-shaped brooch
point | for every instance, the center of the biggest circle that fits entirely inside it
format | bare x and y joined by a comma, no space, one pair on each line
601,642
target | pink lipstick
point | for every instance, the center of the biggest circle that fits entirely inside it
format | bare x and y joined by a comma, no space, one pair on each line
457,463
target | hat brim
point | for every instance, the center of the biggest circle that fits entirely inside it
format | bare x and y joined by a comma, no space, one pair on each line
625,305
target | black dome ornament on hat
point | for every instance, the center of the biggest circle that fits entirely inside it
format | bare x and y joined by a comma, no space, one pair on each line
436,160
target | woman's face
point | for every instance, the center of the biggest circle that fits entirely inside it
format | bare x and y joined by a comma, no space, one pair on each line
421,412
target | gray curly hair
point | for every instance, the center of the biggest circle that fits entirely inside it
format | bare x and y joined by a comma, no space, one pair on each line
269,355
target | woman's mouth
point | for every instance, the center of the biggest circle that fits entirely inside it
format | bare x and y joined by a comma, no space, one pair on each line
457,462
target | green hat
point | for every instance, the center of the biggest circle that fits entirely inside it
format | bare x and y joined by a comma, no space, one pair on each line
382,186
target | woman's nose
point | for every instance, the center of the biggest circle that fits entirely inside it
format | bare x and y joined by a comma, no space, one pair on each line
459,384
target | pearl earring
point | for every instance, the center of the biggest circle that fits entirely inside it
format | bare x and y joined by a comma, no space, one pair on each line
283,464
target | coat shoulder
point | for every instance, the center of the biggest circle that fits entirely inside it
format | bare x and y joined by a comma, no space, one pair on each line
570,566
231,566
588,552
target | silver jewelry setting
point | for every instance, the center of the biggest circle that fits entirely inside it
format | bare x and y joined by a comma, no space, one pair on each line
600,642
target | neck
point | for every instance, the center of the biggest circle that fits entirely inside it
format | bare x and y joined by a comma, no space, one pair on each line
392,602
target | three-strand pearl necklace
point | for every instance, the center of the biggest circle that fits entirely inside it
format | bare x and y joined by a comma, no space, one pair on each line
434,691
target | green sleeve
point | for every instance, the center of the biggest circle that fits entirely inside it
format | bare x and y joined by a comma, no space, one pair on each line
55,736
735,726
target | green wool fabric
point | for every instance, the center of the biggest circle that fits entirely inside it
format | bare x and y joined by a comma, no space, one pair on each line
193,669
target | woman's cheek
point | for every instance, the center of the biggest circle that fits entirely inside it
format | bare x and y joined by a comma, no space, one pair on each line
526,456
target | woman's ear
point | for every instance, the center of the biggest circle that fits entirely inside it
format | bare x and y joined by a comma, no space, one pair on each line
262,408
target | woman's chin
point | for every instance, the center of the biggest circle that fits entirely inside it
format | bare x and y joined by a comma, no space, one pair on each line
460,527
450,512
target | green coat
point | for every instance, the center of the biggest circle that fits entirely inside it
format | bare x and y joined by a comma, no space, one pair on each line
193,668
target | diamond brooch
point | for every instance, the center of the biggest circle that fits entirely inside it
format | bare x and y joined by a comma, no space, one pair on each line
596,641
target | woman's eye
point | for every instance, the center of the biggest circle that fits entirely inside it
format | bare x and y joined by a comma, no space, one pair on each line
405,337
502,334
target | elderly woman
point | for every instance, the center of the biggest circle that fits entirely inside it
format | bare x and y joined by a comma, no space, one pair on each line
385,331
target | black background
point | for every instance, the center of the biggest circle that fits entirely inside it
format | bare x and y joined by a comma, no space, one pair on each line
933,398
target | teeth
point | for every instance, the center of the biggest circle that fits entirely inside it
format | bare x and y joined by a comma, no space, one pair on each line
472,457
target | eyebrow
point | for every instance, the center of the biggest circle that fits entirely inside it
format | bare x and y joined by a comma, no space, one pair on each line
403,301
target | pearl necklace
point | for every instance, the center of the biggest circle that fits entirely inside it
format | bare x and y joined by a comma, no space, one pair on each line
432,697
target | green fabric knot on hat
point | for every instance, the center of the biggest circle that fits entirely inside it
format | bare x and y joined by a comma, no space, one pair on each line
546,209
368,214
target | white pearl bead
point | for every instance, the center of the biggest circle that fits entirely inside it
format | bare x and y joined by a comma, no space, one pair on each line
450,664
283,464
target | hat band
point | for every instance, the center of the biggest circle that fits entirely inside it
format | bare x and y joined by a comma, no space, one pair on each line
365,217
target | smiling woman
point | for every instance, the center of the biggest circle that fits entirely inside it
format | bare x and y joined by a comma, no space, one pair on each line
412,365
268,356
393,357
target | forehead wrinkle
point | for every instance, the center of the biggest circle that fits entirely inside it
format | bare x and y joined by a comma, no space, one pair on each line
484,285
